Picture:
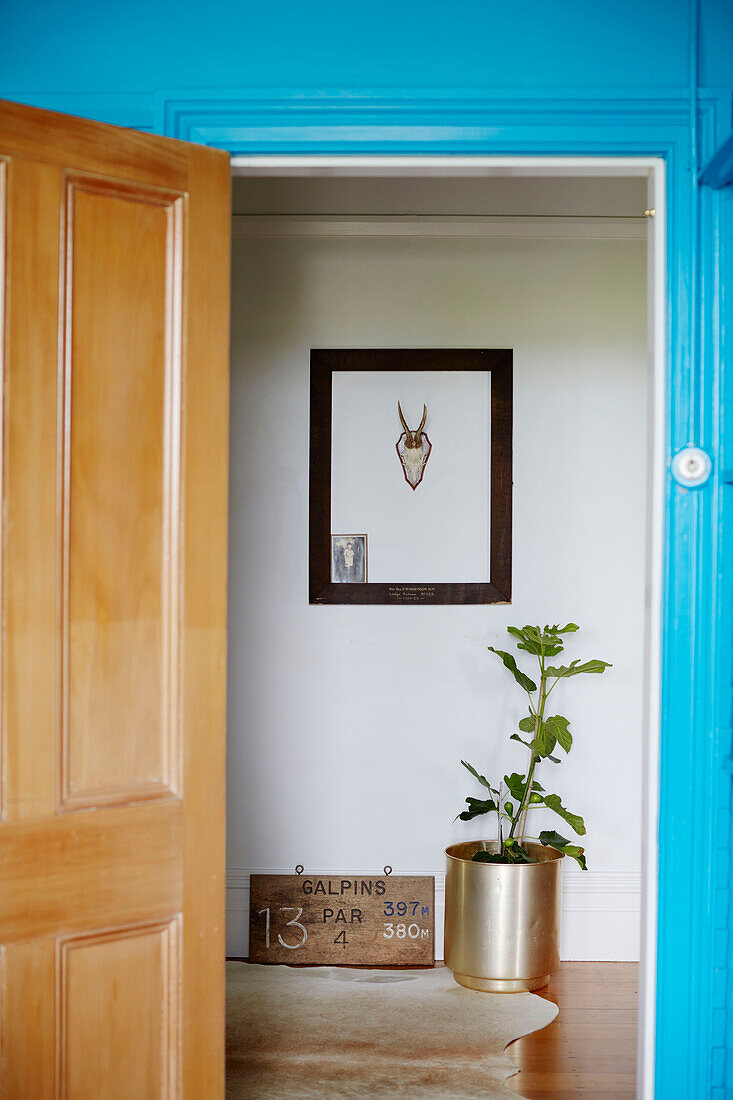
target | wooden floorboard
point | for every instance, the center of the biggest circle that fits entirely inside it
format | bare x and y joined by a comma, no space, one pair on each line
589,1049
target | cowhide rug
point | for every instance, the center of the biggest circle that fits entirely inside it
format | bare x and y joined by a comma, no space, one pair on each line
328,1032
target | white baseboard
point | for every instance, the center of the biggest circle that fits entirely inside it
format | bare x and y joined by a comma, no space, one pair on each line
601,912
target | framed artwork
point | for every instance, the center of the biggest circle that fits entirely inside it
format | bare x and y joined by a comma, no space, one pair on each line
348,559
413,449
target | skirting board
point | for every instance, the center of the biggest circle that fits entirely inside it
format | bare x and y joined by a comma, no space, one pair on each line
601,912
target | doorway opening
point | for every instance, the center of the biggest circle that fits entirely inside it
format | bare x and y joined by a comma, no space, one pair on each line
347,724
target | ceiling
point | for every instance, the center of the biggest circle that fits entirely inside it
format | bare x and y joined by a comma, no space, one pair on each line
467,196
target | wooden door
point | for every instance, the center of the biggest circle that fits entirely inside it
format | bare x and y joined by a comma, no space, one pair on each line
115,247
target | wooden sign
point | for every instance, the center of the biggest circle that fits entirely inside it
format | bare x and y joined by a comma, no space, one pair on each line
347,919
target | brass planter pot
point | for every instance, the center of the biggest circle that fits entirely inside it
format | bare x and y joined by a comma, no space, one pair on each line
502,921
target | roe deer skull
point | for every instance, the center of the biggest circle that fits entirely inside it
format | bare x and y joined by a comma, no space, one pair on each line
413,449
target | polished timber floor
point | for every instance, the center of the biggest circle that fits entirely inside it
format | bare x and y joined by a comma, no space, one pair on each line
589,1049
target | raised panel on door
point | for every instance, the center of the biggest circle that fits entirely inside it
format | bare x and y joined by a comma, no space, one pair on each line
122,399
106,983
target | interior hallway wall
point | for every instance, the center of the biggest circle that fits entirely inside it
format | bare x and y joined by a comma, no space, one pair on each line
347,724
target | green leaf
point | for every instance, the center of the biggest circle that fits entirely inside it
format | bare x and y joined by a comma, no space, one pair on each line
558,726
481,778
561,670
511,664
517,785
489,857
569,628
533,640
550,640
552,801
482,805
578,854
529,646
478,806
574,668
551,839
516,737
542,649
544,741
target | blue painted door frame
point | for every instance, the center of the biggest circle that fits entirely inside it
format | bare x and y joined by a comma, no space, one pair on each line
694,1027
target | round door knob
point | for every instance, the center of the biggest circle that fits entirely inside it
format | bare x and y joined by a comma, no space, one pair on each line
691,467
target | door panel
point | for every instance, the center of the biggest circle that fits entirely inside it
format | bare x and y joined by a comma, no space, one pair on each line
101,1045
113,569
122,292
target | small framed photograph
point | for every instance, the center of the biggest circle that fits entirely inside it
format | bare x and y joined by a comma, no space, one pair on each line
348,559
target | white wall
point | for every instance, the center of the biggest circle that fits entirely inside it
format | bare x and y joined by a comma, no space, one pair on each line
347,724
433,534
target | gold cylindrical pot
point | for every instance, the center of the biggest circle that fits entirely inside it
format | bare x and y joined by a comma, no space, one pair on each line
502,921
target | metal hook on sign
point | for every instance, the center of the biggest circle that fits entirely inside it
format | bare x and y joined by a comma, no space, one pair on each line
299,868
387,869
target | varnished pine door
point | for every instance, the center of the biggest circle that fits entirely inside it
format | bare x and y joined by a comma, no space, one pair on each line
115,251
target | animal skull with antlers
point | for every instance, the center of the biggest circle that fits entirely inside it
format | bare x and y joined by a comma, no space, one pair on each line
413,449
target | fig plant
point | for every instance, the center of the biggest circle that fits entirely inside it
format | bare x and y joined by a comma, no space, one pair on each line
517,795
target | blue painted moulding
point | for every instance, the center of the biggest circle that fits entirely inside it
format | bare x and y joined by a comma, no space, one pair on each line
718,172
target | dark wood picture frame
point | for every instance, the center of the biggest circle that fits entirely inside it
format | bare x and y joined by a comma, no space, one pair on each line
498,589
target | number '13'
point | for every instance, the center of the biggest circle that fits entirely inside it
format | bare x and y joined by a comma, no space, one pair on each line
294,923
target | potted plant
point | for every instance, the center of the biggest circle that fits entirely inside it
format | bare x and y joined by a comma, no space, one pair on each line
503,896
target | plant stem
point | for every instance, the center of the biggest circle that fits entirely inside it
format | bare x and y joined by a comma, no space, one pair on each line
520,819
